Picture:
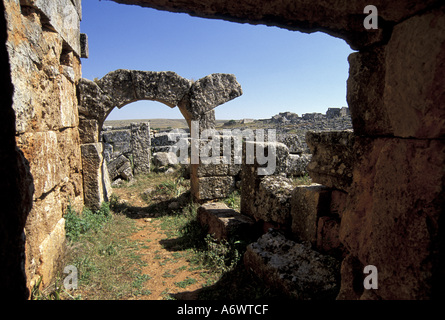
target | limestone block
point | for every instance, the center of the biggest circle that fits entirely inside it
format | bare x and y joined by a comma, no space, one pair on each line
414,82
268,158
351,287
392,215
94,103
297,164
119,139
332,158
209,92
52,250
328,240
69,116
163,159
108,191
88,131
84,48
63,16
140,147
272,201
117,166
367,70
308,203
70,167
295,142
406,77
166,86
78,5
118,85
42,151
92,175
293,268
335,18
222,222
215,187
250,179
220,169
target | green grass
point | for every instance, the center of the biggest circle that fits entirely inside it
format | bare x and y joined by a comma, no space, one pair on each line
110,265
185,283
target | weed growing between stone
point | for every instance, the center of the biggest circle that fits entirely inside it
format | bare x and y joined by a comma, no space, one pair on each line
115,263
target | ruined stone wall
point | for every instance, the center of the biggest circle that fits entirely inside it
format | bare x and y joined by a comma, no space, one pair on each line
44,55
392,210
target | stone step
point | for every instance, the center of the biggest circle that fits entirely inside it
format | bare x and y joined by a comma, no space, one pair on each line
293,268
222,221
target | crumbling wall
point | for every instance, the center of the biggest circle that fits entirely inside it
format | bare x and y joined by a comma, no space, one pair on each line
196,101
44,54
395,91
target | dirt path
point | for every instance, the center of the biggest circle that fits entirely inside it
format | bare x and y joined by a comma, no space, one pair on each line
169,272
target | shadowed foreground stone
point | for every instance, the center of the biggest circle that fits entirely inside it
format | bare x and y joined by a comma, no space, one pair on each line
223,221
293,268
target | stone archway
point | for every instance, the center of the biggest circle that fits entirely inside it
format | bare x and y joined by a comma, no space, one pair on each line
196,101
393,213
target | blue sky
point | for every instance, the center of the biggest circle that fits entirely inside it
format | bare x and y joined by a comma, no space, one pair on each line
279,70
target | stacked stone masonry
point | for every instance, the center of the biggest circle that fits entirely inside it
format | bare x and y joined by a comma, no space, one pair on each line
43,45
387,214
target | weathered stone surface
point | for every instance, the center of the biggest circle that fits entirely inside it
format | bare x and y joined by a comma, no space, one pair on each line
297,164
268,158
140,147
42,151
163,159
211,91
166,87
94,103
37,74
209,170
222,222
392,215
336,17
84,48
367,70
408,89
308,203
272,201
295,142
88,131
119,86
119,139
63,17
414,96
250,178
214,187
106,182
294,268
119,167
328,240
206,94
352,277
332,158
92,175
52,250
126,86
338,202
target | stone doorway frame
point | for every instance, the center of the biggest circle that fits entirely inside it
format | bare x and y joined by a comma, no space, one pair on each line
195,99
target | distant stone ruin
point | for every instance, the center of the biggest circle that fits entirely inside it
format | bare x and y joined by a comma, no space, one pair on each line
196,101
